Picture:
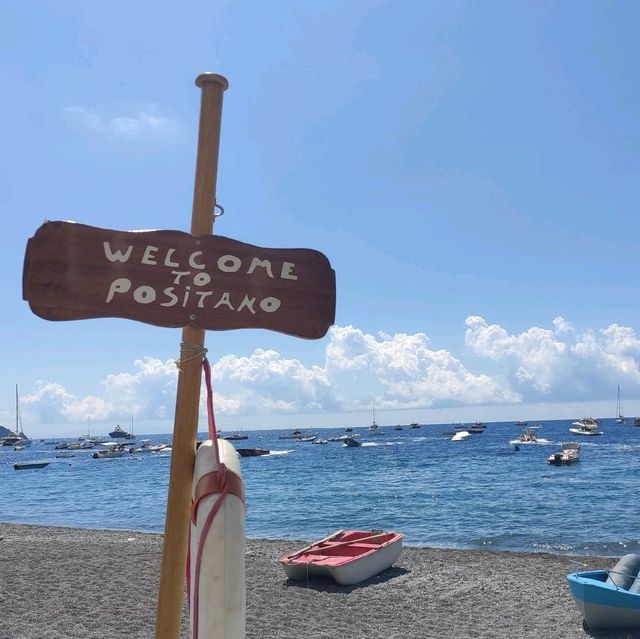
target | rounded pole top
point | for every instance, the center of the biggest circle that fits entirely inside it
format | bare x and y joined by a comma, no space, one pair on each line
207,78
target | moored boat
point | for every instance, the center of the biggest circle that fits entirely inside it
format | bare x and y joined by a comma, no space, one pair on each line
609,599
586,426
252,452
569,453
29,465
347,556
114,450
119,433
529,436
620,418
476,428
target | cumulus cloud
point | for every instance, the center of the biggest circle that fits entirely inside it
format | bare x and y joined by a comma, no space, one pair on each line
400,371
144,123
147,392
395,371
559,363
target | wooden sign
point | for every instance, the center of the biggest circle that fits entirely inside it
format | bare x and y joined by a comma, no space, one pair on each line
170,278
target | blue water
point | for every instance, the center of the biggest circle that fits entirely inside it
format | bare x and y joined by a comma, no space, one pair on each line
478,493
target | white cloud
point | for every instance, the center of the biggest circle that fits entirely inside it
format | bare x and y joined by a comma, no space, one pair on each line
400,371
395,371
560,364
562,326
145,123
148,392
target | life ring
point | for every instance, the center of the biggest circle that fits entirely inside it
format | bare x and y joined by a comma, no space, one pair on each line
216,567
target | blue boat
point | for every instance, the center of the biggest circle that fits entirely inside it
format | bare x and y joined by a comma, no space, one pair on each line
609,599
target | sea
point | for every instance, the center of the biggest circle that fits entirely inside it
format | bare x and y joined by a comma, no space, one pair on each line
477,493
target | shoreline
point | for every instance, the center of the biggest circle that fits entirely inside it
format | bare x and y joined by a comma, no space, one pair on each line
70,583
568,556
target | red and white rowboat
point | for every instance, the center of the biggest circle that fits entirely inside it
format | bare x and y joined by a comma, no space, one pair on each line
348,556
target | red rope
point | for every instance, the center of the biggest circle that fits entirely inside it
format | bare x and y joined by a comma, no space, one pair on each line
222,481
210,416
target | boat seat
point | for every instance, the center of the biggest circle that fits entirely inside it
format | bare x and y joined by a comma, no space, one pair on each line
364,545
624,573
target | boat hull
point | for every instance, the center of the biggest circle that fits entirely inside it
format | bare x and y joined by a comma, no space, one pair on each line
366,560
30,465
588,433
603,605
252,452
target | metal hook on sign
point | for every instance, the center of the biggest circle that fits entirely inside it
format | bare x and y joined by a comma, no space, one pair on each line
220,210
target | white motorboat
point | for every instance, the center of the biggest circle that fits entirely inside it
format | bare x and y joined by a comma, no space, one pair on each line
529,436
461,435
569,453
586,426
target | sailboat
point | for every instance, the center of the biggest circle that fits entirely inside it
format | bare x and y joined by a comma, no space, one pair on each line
374,429
619,416
19,439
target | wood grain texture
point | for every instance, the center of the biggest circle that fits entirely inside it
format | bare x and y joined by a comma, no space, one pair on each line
171,278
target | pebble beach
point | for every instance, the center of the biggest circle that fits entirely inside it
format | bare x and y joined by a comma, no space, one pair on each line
65,583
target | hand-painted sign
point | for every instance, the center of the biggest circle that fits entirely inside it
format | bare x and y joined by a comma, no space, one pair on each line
170,278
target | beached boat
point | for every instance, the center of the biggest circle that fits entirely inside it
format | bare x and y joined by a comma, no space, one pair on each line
30,465
586,426
569,453
609,599
347,556
351,442
252,452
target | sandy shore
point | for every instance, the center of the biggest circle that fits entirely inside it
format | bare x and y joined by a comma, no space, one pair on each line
83,584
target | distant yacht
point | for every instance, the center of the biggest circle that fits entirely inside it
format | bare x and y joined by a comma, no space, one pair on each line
586,426
119,433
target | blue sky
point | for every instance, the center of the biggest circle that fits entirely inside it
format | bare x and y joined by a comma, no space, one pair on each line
470,169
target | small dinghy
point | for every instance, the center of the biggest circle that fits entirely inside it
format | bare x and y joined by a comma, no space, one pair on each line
609,599
347,556
29,465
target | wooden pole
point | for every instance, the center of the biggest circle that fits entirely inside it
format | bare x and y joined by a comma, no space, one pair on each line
176,528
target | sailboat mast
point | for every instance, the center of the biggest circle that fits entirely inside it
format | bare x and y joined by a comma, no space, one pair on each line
17,412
